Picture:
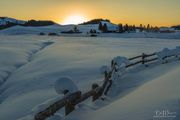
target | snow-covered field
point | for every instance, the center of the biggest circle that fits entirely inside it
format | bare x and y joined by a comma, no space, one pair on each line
30,65
21,30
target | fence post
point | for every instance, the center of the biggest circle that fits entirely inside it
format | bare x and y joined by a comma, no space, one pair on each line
108,87
69,107
143,58
96,94
70,102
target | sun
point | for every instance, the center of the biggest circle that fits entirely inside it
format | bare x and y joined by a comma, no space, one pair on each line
74,19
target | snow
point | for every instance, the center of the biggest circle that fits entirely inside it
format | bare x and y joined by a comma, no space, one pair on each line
167,52
161,93
6,20
166,29
65,83
29,87
104,69
120,64
110,26
45,104
21,30
15,54
162,54
121,61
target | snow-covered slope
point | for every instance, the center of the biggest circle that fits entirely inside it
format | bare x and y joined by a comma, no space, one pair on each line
14,54
52,28
79,58
110,26
147,101
6,20
21,30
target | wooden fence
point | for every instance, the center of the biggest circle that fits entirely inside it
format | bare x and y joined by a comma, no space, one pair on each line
70,101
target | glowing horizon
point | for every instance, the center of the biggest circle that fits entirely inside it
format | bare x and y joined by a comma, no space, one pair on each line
74,19
153,12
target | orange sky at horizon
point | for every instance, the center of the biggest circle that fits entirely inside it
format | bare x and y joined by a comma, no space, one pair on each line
154,12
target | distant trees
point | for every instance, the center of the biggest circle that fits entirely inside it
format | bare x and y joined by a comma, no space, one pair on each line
120,28
103,27
176,27
140,28
129,28
95,21
38,23
100,26
148,28
154,29
126,28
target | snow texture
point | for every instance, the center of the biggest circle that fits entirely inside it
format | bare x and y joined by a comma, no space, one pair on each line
104,69
6,20
22,30
167,52
29,78
65,83
120,63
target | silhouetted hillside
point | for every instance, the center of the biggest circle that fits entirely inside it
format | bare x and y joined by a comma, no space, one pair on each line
95,21
35,23
177,27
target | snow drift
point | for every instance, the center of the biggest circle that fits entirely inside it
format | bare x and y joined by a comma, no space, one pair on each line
80,58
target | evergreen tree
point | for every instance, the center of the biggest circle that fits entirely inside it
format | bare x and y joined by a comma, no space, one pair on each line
148,28
126,28
134,28
156,29
144,27
105,29
100,26
141,27
120,28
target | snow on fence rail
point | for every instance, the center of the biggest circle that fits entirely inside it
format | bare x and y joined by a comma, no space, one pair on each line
118,64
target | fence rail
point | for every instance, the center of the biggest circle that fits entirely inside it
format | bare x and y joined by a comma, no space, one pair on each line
96,92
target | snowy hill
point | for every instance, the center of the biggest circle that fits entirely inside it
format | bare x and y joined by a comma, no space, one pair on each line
32,64
110,26
146,102
6,20
28,30
10,26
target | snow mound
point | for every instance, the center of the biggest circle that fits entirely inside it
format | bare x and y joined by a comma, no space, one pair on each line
121,60
63,84
161,93
104,69
120,63
167,52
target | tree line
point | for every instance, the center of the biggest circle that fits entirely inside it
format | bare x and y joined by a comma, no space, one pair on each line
129,28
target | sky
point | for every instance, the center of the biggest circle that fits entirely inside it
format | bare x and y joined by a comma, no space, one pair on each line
154,12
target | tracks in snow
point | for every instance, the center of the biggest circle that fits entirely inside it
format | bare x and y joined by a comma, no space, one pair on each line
29,59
